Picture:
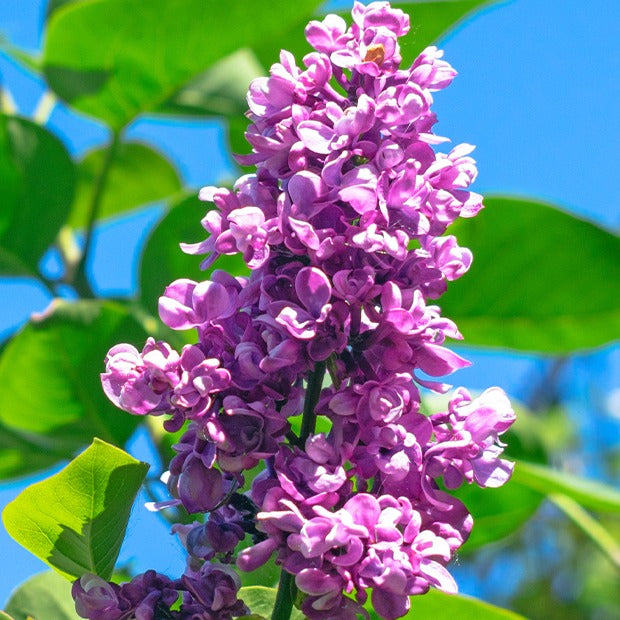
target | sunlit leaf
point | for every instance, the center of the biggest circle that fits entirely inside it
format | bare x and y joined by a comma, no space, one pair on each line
52,401
37,177
75,520
145,52
542,280
46,595
138,175
163,260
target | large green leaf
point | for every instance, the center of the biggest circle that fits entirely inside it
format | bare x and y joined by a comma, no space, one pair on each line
46,595
75,520
542,280
37,178
52,401
261,601
163,260
591,494
145,52
138,175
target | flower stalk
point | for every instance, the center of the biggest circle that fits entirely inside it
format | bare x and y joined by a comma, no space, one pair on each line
286,587
76,274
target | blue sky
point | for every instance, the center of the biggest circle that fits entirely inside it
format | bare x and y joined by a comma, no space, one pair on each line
537,92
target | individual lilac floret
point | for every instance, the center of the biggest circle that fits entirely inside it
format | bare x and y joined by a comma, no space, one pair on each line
468,445
209,594
212,593
141,383
186,304
95,598
145,597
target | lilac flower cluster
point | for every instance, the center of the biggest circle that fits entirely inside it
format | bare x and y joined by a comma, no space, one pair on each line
342,227
207,594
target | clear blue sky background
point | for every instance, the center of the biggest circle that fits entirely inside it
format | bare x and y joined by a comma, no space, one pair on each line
538,92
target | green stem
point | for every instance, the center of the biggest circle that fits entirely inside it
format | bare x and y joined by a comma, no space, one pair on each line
80,281
287,589
315,382
284,599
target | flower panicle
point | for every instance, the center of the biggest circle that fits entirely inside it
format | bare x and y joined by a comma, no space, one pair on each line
343,228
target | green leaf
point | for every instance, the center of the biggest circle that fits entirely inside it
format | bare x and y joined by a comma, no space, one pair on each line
46,595
163,260
497,513
52,401
37,177
219,91
589,493
438,606
261,600
541,280
145,52
138,175
75,520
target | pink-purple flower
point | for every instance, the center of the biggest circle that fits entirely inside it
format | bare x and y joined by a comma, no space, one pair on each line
343,227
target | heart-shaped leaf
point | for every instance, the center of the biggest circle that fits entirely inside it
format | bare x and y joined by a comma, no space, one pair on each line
115,59
38,180
75,520
46,595
52,400
541,280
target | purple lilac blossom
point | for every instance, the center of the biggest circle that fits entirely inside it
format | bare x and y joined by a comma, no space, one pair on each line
343,227
209,594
